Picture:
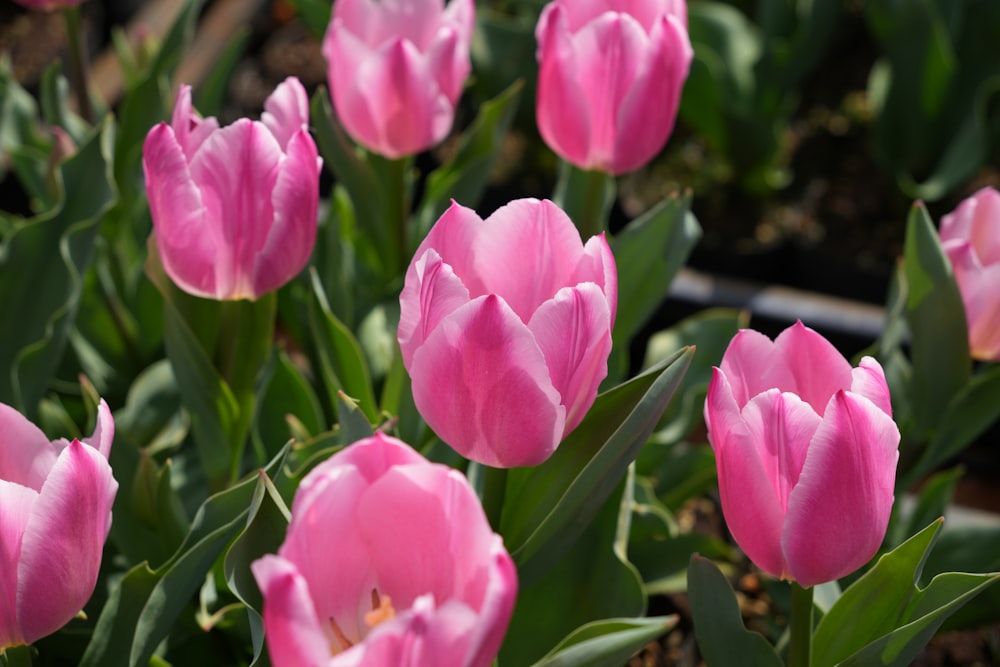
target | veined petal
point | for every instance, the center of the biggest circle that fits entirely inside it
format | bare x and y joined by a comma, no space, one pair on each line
294,632
431,293
64,539
574,331
839,510
481,382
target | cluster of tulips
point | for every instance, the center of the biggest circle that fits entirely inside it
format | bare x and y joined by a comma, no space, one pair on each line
505,330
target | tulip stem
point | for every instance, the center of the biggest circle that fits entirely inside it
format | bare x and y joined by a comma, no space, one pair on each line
801,627
16,656
78,62
586,197
491,483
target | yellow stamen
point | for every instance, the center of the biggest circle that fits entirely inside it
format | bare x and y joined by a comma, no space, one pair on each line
382,610
345,643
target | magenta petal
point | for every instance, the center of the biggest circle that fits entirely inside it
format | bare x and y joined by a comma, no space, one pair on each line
26,455
431,293
818,368
451,237
104,430
16,501
286,111
481,382
752,509
498,605
574,331
64,539
869,381
295,637
597,265
839,510
752,366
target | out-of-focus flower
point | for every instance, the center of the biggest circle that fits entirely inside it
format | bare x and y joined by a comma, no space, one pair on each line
610,79
505,328
970,236
48,5
389,560
806,450
397,68
235,208
55,513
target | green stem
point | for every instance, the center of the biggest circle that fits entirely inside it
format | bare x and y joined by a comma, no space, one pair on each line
16,656
586,196
78,62
801,627
491,483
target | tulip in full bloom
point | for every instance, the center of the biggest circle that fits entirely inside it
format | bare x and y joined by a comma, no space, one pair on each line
610,79
397,68
505,329
235,208
970,236
806,450
55,513
389,560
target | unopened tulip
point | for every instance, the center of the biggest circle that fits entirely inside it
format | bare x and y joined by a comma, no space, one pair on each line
55,513
610,79
235,208
396,70
806,450
970,236
505,329
388,560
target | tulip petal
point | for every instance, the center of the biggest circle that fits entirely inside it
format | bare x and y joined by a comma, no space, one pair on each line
432,292
818,368
540,240
448,60
295,636
979,286
597,265
839,510
16,501
481,382
574,331
752,366
104,430
26,455
451,237
64,539
371,457
869,381
497,607
189,130
752,509
286,111
976,220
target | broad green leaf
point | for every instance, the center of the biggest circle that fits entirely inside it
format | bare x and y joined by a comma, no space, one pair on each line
41,267
353,424
607,643
883,618
968,548
718,626
287,393
549,505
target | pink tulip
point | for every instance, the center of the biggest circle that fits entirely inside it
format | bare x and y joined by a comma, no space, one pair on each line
55,513
806,450
234,209
397,68
505,329
970,236
389,560
610,79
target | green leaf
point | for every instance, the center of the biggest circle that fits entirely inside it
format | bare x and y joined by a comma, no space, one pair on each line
968,548
722,638
354,425
314,13
463,176
548,506
940,340
342,362
214,88
607,643
287,393
935,496
586,196
41,267
883,618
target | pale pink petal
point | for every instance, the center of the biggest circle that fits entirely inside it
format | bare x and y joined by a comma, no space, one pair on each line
979,287
104,430
371,457
16,501
290,238
452,237
190,131
753,511
481,382
752,365
295,636
448,61
839,510
497,607
869,381
574,331
26,455
597,265
432,292
461,14
537,238
64,539
819,370
976,220
286,111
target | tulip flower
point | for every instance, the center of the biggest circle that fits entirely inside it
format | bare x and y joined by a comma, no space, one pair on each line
397,69
55,513
389,560
806,450
234,209
505,329
610,79
970,237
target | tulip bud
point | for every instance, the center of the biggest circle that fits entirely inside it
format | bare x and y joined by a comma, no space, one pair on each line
234,209
806,451
396,70
610,79
505,329
970,237
389,560
55,513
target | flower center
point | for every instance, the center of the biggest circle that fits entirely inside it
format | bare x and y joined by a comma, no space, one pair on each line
382,611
